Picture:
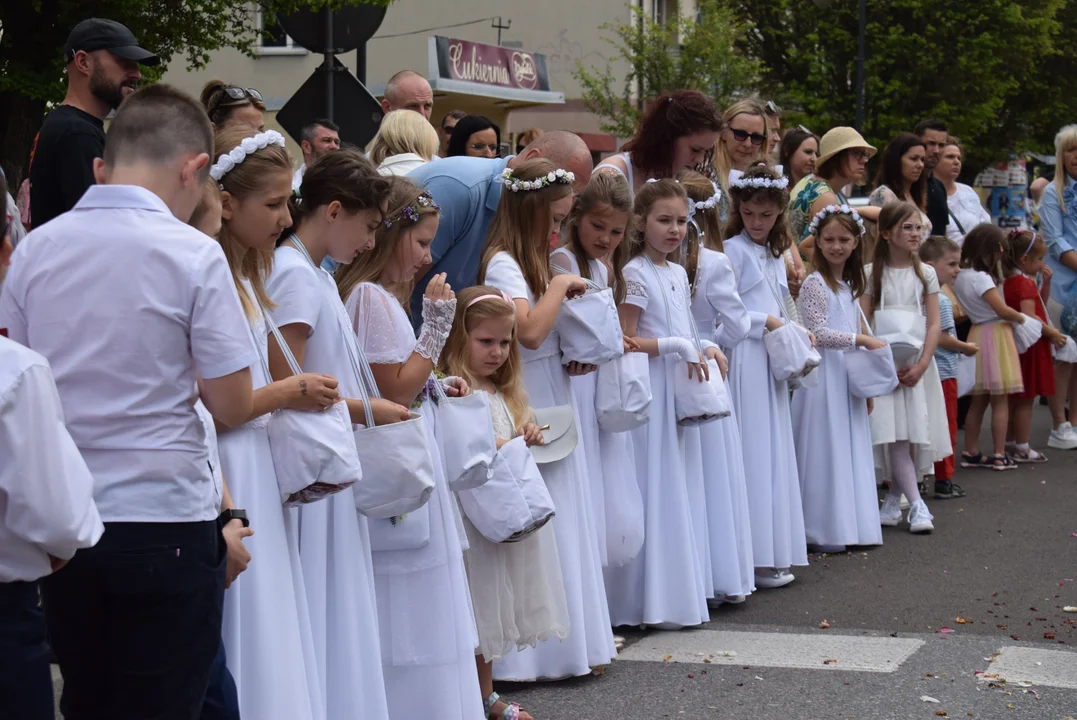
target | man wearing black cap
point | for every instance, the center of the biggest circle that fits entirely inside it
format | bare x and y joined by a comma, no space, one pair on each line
101,59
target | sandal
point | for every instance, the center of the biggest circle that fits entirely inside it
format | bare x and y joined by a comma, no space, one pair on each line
1028,456
511,711
1002,462
975,460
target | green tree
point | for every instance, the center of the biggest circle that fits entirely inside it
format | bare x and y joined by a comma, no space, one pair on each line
33,32
968,62
690,53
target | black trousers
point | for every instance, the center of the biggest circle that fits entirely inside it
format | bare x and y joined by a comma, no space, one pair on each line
135,621
25,678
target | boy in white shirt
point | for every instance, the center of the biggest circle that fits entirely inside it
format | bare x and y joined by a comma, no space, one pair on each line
130,304
46,513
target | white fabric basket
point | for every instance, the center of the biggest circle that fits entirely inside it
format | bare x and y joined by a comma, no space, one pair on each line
514,502
623,393
468,443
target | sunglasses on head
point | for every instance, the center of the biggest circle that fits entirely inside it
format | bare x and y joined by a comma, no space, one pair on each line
772,108
742,135
234,93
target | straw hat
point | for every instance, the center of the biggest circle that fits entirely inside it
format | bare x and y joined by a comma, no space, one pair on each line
840,138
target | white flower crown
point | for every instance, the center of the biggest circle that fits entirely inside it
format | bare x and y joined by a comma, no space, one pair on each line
556,176
760,182
708,204
835,210
249,145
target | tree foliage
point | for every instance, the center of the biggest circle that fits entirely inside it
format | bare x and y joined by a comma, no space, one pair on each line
33,32
691,53
995,70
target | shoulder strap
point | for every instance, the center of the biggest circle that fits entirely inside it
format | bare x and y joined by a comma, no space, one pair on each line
956,221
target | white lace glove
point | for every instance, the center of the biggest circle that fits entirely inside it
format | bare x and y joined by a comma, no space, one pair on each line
437,323
683,347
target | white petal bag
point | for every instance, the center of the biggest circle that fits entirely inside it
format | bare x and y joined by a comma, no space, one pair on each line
514,502
468,445
789,349
694,402
623,393
870,373
313,452
589,327
1027,333
903,329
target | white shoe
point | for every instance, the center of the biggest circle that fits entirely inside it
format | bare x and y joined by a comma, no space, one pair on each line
769,578
920,518
1064,438
904,503
890,513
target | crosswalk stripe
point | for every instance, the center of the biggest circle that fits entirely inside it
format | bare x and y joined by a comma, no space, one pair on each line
763,649
1054,668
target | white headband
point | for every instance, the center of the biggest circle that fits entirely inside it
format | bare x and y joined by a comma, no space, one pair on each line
760,182
249,145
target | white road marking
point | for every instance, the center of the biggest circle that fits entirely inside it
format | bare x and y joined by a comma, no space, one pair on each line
1054,668
763,649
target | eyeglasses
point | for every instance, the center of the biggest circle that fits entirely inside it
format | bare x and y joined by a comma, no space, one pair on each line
911,228
742,135
864,155
479,147
234,93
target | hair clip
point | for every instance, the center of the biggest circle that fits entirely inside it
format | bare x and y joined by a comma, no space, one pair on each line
410,213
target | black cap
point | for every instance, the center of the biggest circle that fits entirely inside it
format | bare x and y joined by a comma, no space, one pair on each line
101,34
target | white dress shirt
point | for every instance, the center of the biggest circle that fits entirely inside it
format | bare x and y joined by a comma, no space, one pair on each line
46,490
128,304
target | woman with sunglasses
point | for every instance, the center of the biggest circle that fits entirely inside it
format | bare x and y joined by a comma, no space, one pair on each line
843,157
743,143
678,132
229,105
475,136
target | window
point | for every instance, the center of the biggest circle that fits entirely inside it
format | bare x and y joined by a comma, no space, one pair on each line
274,41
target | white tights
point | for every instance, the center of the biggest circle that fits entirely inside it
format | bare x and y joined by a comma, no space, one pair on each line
903,469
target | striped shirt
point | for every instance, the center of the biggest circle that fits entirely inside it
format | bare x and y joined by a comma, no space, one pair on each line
946,360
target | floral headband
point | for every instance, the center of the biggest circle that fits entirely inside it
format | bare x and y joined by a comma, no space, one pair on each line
504,297
836,210
248,146
409,214
744,183
709,204
556,176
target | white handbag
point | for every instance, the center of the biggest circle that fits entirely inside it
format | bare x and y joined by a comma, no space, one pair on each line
966,374
870,373
1027,333
313,453
398,469
589,327
623,393
902,329
1067,353
468,445
789,350
559,434
514,502
694,402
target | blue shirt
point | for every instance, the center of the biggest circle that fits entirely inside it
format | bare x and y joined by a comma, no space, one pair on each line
1059,230
468,191
946,360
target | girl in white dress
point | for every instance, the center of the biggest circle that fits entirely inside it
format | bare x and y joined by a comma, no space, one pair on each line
516,261
266,628
424,612
830,425
720,316
757,235
516,588
593,249
342,201
664,585
908,427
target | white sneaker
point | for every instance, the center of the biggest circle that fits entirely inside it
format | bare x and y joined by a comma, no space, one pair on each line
1064,438
920,518
890,513
769,578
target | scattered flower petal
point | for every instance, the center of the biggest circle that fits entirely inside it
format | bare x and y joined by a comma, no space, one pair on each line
928,699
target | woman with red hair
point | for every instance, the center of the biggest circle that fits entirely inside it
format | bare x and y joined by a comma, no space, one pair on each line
678,133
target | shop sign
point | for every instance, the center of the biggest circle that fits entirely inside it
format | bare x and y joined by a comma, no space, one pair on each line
491,65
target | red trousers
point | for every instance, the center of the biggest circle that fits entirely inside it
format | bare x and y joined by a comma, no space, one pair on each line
944,469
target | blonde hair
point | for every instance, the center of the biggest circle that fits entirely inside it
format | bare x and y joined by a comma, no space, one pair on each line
247,178
722,162
403,131
1066,139
604,191
211,196
528,136
369,266
521,225
456,356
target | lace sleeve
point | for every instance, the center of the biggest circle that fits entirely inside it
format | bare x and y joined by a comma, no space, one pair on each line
384,340
813,311
635,288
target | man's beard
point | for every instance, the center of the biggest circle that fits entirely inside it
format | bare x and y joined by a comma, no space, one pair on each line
110,94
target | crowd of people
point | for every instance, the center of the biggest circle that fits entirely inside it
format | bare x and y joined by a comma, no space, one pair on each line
356,438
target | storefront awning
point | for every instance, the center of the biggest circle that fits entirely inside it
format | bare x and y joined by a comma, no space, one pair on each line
515,77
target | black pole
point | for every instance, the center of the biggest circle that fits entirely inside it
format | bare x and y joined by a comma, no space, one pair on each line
861,41
329,62
360,63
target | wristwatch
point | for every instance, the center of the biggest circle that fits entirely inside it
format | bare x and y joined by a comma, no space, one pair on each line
234,514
